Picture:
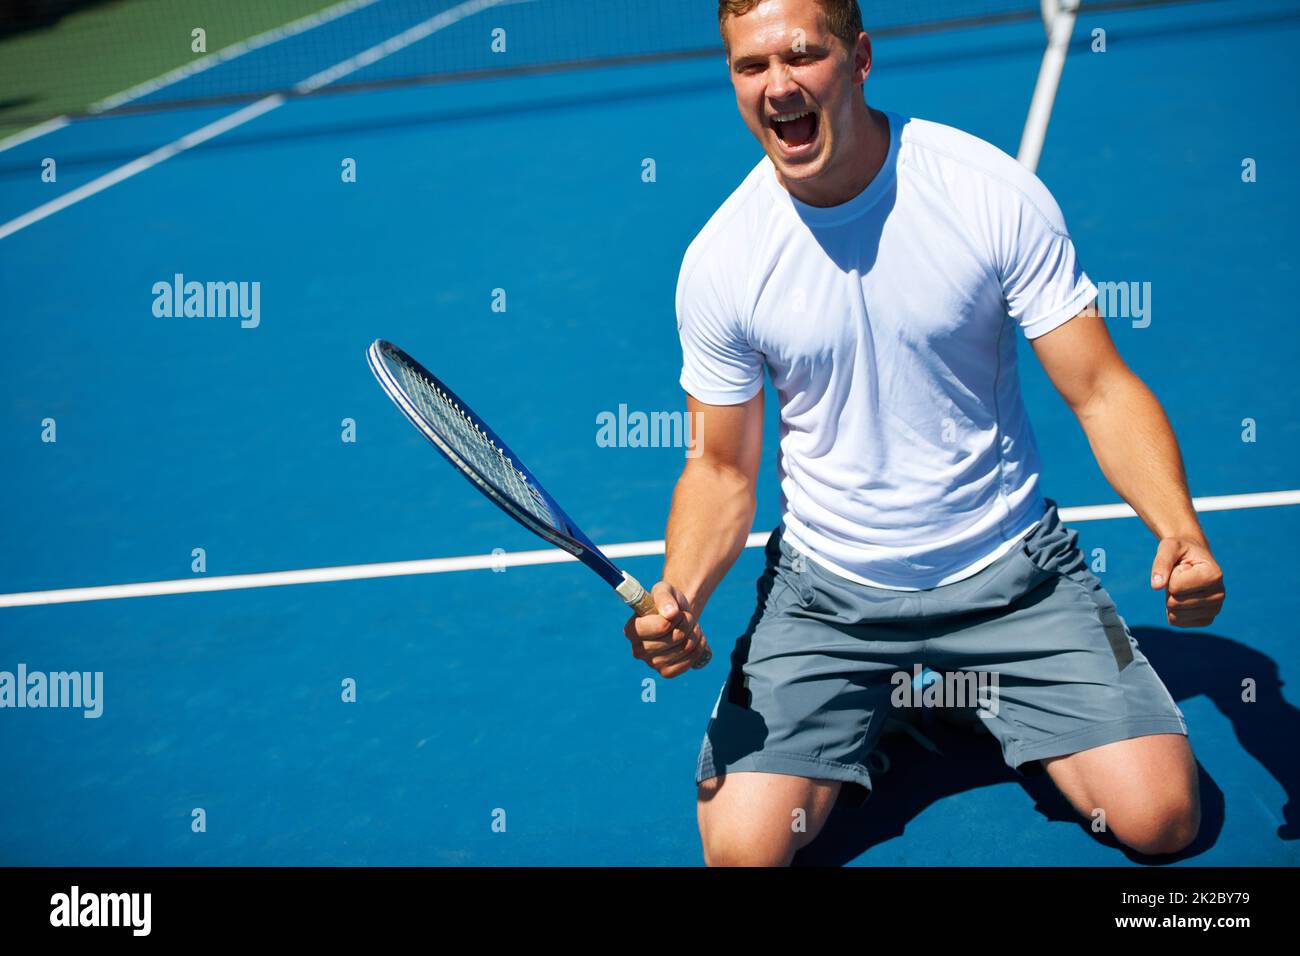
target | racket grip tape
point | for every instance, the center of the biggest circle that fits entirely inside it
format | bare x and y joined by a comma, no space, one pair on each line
636,597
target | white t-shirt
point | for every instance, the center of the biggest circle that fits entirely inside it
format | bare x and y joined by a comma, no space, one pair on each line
888,325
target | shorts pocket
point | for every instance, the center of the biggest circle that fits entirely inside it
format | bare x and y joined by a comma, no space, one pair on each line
1071,568
1112,625
1037,573
1054,550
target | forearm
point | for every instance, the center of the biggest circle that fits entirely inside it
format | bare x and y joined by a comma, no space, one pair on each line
1135,447
711,517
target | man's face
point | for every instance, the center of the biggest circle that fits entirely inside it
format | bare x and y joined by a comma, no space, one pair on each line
796,85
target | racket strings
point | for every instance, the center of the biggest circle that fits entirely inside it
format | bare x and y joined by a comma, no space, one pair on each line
468,440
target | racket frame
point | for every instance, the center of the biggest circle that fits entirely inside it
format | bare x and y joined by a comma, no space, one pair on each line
565,534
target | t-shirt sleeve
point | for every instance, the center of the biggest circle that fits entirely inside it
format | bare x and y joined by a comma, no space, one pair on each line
719,366
1042,282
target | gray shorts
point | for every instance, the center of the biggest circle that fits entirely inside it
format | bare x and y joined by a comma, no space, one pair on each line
820,668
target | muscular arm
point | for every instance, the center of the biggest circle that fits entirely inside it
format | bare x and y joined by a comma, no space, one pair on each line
1138,453
713,505
712,511
1130,435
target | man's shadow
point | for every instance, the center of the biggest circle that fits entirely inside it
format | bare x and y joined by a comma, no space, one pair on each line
1190,663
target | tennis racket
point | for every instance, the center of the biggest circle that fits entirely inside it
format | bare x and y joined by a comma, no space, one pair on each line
474,449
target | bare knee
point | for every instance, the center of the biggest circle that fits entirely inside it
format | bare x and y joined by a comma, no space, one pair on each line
1169,825
738,848
760,819
1146,786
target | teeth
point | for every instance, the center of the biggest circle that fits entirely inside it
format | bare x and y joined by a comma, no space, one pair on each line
790,117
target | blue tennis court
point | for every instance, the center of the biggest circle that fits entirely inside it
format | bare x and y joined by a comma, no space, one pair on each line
521,233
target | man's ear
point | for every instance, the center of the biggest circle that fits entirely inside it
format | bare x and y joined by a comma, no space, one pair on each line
862,59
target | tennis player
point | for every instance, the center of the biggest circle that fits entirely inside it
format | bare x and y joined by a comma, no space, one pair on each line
879,267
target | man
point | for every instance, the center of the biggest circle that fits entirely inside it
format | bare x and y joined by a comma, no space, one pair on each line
879,268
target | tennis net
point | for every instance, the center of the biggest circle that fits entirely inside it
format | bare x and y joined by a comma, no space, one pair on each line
87,58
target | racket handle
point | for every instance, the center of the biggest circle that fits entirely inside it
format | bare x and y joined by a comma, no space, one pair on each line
642,604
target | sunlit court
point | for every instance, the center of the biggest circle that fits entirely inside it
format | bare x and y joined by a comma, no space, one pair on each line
250,616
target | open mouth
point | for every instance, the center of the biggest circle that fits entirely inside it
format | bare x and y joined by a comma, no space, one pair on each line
795,129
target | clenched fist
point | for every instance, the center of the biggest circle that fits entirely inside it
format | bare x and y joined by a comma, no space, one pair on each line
1192,580
671,641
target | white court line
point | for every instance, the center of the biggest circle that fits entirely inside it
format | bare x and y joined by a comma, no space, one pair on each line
201,65
375,53
159,155
398,42
33,132
226,54
516,559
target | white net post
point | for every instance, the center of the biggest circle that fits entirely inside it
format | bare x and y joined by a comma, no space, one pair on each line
1058,19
